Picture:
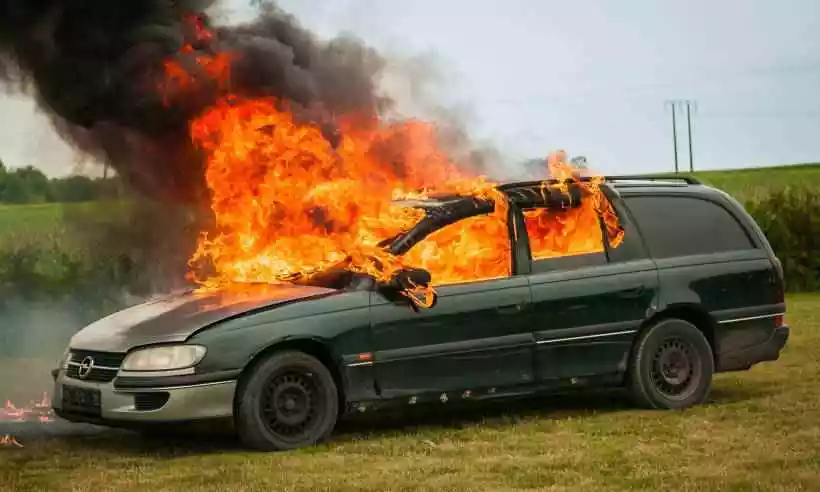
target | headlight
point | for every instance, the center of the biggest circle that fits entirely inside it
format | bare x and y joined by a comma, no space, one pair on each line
165,358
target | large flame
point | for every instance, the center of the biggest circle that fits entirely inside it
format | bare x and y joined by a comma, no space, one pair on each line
289,203
286,202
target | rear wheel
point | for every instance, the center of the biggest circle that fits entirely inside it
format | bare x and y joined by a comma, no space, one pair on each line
288,401
672,366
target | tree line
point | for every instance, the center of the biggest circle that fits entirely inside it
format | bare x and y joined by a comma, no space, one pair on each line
28,185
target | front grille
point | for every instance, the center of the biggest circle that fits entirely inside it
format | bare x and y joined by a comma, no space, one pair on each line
150,401
104,369
105,359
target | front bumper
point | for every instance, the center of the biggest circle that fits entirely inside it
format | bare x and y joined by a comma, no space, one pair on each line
746,358
213,400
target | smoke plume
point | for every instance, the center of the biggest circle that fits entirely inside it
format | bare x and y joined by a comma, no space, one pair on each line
95,67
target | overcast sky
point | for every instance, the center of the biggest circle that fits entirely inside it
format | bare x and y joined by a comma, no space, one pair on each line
589,76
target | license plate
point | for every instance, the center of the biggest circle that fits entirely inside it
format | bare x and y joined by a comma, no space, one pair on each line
84,400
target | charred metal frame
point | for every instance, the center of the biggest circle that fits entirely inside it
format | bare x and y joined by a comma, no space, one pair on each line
442,212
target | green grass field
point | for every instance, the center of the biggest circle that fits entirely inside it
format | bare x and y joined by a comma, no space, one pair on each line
760,431
753,183
44,217
29,218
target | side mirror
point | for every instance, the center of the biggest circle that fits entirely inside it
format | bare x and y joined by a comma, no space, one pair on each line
413,284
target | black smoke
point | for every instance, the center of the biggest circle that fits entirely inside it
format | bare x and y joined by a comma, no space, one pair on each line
95,67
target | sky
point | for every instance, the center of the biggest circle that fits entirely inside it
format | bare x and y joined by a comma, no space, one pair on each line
591,77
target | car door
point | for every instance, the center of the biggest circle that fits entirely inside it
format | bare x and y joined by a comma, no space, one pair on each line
588,299
476,336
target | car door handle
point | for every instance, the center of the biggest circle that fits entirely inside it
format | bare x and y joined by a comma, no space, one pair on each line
632,293
510,309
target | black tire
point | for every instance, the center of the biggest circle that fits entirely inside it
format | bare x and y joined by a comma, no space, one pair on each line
288,401
672,366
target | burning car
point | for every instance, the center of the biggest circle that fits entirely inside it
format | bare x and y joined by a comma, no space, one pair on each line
676,284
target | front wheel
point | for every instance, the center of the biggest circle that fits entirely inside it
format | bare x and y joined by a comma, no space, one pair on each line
288,401
671,367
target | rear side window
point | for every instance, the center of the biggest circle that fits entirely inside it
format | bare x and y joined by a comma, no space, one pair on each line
565,239
682,226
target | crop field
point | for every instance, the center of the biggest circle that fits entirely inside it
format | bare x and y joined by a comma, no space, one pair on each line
45,218
16,219
753,183
760,431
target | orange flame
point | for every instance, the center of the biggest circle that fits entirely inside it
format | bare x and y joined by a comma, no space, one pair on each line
9,440
178,79
288,203
214,68
39,410
572,231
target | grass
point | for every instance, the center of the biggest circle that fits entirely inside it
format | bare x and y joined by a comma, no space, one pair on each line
15,219
759,431
754,183
46,218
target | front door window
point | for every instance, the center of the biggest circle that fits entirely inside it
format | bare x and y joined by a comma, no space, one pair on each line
470,250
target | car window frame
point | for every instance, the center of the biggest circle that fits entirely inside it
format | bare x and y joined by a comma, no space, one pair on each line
631,233
754,243
413,238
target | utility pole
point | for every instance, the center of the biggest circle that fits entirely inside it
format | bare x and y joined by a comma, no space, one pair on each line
674,133
689,105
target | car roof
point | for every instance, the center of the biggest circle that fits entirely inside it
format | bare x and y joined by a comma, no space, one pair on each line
632,185
666,185
443,209
639,184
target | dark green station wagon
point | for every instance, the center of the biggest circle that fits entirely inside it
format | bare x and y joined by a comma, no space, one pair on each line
693,289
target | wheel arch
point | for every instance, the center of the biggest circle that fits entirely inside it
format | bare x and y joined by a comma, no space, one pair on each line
691,313
314,347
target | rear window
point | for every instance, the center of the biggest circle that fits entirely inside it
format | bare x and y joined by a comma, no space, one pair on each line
682,226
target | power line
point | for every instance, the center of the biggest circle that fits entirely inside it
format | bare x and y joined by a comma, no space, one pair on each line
761,114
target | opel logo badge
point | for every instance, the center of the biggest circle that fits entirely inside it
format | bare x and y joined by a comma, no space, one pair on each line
85,367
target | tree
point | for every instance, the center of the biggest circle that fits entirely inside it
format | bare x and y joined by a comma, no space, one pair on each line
13,189
30,185
75,189
35,183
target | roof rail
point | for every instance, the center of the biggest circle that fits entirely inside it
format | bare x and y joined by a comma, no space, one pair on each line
539,182
654,177
647,177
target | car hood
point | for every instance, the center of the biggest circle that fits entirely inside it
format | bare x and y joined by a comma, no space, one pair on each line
175,317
